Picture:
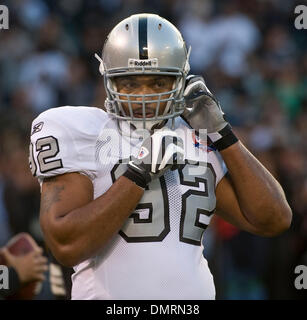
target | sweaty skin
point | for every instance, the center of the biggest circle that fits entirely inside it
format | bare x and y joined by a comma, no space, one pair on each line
76,226
249,197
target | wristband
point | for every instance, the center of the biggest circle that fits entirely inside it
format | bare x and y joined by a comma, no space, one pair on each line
224,138
135,177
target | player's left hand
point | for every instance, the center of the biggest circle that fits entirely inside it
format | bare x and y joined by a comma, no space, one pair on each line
203,111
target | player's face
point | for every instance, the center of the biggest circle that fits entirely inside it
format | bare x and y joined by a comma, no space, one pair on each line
142,85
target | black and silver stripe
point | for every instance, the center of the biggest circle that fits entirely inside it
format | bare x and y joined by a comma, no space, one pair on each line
143,49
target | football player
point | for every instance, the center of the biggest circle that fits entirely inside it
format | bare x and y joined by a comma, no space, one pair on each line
125,197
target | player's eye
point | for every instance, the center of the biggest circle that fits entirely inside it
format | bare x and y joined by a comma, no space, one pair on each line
164,84
160,84
130,85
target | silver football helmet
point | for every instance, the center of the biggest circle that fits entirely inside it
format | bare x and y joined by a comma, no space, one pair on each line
144,44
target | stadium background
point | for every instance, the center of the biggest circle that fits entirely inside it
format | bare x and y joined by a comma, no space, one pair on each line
252,58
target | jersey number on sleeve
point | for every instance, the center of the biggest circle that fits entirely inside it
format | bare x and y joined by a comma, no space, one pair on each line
46,149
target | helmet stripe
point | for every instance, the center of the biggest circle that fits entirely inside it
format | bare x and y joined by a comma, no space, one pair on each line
143,49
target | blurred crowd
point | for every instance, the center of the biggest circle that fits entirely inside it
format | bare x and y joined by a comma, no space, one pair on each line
252,58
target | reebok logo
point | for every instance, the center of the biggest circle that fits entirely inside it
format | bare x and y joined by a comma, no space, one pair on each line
37,127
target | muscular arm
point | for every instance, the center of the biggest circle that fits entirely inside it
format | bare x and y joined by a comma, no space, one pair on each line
250,197
76,226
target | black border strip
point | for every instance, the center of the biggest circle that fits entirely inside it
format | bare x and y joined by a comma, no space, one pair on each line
143,49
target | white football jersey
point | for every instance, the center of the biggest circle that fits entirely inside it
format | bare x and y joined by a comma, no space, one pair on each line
158,253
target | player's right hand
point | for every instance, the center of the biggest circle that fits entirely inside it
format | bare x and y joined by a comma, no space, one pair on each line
161,151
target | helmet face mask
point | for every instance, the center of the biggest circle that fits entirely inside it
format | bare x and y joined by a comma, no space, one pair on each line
144,109
144,44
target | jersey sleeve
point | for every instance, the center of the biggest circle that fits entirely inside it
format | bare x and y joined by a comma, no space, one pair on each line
59,145
219,167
